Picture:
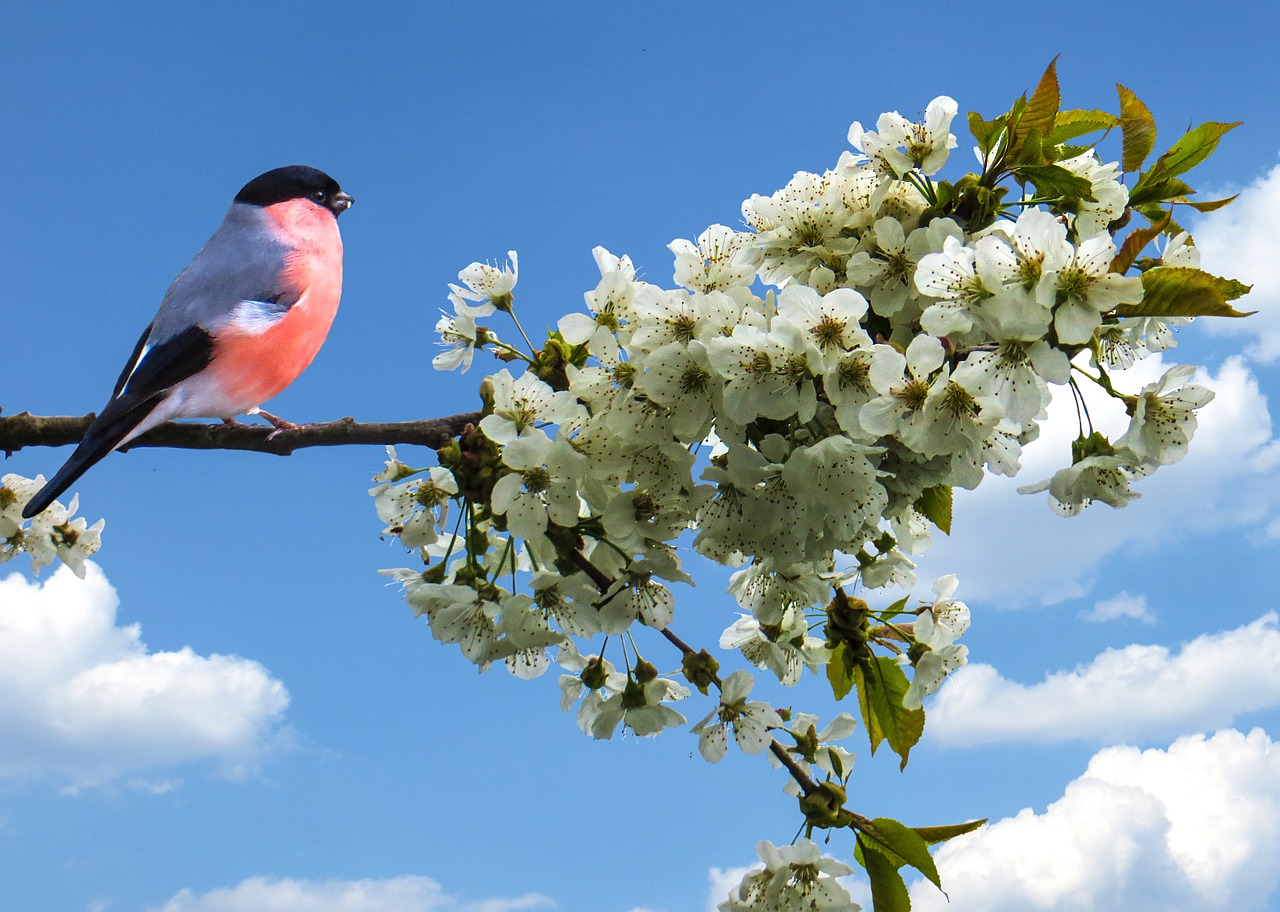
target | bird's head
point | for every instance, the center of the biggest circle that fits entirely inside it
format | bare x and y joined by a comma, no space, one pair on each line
295,182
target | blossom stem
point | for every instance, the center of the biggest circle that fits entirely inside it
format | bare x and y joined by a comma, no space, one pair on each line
798,773
512,350
523,335
802,778
594,573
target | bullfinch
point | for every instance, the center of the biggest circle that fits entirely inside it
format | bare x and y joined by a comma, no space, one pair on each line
238,324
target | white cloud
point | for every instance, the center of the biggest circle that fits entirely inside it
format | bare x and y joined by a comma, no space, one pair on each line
1010,549
1241,242
396,894
83,699
1196,826
724,881
1124,605
1130,694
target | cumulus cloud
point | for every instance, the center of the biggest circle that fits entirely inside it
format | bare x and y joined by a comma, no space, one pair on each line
1134,693
1010,549
83,699
396,894
1240,241
1194,826
1122,606
723,882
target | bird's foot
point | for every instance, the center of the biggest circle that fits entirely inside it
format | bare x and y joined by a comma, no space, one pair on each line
276,422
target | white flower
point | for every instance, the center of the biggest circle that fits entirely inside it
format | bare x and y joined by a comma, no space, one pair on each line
1015,374
1087,289
569,601
521,403
417,510
680,377
488,284
888,568
524,636
796,878
542,486
640,707
605,682
906,397
1165,417
1109,195
769,374
459,614
610,305
719,260
959,280
459,336
785,649
831,323
902,145
53,534
835,483
938,628
636,597
1181,251
817,748
885,266
1104,478
858,376
802,228
773,596
750,721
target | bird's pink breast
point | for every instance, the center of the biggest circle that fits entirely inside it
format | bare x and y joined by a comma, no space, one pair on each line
254,366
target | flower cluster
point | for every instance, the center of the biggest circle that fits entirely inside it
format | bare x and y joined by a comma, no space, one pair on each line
51,535
799,405
900,353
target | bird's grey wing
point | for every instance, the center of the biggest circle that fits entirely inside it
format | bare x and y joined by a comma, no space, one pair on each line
238,276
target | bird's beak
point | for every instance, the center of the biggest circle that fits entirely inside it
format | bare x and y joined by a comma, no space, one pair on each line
342,202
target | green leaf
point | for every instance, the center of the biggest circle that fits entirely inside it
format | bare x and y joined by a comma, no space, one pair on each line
1042,108
1152,188
1154,213
1070,124
888,890
1206,205
986,132
1055,182
881,686
1138,129
935,505
839,672
1194,147
901,845
1135,243
896,608
1180,291
936,834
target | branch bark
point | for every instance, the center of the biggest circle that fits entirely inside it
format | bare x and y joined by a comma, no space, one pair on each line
24,430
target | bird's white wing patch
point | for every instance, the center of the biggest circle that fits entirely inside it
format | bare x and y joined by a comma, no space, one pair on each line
124,387
257,316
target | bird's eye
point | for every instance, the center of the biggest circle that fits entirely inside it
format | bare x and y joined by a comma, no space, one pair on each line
320,196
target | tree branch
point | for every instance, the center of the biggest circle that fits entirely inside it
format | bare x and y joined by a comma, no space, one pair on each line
26,430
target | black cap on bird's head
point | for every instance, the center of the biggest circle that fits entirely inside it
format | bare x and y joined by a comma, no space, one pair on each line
295,182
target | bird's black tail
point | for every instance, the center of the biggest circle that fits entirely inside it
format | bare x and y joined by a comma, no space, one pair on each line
110,427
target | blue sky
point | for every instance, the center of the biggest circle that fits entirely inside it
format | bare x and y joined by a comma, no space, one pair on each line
340,751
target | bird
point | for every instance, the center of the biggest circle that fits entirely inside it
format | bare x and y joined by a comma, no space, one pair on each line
240,322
